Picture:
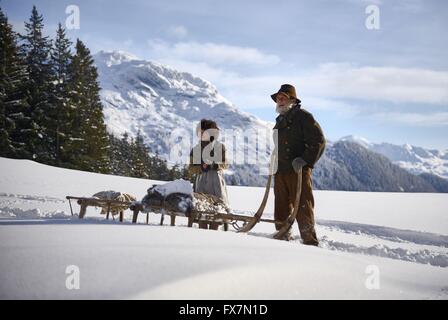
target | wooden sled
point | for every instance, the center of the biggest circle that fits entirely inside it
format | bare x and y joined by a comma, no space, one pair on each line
136,208
197,216
95,202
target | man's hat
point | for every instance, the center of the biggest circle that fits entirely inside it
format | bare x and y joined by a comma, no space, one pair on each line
288,90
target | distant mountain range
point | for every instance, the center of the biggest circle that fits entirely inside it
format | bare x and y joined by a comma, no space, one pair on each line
414,159
154,99
348,165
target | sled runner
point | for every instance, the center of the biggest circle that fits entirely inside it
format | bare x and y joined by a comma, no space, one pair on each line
108,206
196,206
248,226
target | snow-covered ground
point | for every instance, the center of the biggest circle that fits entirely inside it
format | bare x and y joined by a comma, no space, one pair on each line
373,245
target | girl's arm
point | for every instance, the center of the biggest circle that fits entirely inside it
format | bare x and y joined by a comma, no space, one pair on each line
221,165
193,168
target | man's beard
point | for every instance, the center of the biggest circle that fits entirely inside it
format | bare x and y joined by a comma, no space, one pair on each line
283,109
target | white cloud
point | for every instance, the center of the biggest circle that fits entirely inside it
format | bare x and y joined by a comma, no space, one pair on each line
343,81
412,6
435,119
331,86
177,31
377,83
96,44
211,53
19,27
366,2
341,108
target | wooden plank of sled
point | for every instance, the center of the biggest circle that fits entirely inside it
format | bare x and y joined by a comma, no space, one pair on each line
136,208
108,211
134,215
83,210
238,217
190,221
224,217
204,216
228,217
95,202
213,217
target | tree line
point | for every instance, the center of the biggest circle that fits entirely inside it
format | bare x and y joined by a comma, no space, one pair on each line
51,112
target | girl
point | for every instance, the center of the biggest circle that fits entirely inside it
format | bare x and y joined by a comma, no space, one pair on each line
207,162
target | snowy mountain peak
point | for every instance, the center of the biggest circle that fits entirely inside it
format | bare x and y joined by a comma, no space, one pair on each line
156,100
357,139
153,75
114,57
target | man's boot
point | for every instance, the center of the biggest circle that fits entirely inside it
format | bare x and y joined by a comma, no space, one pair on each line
309,238
288,236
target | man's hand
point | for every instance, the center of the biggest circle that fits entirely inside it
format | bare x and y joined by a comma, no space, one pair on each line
298,163
205,167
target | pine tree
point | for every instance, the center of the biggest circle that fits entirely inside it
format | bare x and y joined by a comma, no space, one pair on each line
36,49
132,158
63,115
13,105
119,151
89,143
141,158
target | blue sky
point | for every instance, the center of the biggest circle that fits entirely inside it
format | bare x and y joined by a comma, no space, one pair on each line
386,85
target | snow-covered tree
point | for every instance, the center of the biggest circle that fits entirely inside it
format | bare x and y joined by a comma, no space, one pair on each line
132,158
13,104
89,143
119,154
36,49
63,116
140,158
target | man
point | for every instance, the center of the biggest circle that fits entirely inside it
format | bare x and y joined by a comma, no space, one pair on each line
300,143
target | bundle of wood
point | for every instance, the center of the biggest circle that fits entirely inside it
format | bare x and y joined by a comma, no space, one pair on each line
178,196
116,196
203,202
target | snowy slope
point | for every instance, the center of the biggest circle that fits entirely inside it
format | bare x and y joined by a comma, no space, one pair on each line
414,159
166,105
404,236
